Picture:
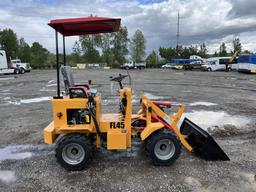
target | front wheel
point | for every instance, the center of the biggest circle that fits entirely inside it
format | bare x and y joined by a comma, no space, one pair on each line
22,70
209,69
74,152
163,148
16,71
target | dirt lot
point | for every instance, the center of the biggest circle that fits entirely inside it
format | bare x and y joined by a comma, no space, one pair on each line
223,103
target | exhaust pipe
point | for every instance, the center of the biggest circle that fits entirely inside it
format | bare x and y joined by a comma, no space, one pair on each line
202,143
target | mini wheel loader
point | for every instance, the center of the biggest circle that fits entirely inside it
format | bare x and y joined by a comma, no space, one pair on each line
79,126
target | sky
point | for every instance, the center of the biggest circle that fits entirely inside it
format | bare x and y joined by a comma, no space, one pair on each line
209,21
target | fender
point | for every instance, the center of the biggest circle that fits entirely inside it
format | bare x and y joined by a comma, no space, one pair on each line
152,127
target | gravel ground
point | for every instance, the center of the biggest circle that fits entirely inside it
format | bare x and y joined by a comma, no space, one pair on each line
223,103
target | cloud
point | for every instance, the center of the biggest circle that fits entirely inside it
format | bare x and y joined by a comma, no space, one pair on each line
210,21
242,8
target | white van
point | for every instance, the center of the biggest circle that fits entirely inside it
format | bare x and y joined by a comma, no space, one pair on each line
219,64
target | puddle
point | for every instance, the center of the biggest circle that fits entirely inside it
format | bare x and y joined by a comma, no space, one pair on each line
6,78
216,119
202,103
35,100
19,152
7,176
51,81
15,152
45,89
155,97
13,101
187,91
52,85
5,90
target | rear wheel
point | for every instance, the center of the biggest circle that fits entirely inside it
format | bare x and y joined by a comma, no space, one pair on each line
74,152
163,148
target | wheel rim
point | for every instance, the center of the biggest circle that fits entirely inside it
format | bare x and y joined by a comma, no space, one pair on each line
164,149
73,154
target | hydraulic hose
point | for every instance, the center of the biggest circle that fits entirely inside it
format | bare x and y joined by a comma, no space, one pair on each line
91,108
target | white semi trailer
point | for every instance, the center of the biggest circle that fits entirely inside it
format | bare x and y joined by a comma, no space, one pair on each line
4,68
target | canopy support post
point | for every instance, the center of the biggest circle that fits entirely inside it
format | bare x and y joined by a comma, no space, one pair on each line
64,51
57,65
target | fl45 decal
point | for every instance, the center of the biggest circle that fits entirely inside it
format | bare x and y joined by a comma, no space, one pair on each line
117,125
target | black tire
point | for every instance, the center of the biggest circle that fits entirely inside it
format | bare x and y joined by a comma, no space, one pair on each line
16,71
164,148
22,70
72,145
209,69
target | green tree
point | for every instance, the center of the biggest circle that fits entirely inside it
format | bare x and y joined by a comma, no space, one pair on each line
50,61
24,53
89,45
9,43
247,52
152,59
223,50
138,46
203,50
120,46
215,54
167,53
107,55
186,52
39,56
237,46
75,56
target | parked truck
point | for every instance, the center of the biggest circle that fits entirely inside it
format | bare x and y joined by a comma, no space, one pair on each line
134,65
4,67
194,62
23,67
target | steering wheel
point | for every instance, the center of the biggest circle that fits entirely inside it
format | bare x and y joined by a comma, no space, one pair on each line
119,79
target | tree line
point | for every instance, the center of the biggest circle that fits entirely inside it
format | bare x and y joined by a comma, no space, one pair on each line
169,53
110,49
36,54
107,49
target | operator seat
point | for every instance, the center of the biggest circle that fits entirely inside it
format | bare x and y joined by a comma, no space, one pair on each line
75,90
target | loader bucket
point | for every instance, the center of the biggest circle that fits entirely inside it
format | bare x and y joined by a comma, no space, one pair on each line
202,143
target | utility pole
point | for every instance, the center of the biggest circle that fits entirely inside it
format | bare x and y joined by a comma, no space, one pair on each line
178,34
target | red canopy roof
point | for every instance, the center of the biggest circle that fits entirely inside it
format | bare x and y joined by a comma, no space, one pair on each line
85,25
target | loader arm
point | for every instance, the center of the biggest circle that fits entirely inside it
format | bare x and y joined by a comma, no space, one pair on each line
168,121
191,136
